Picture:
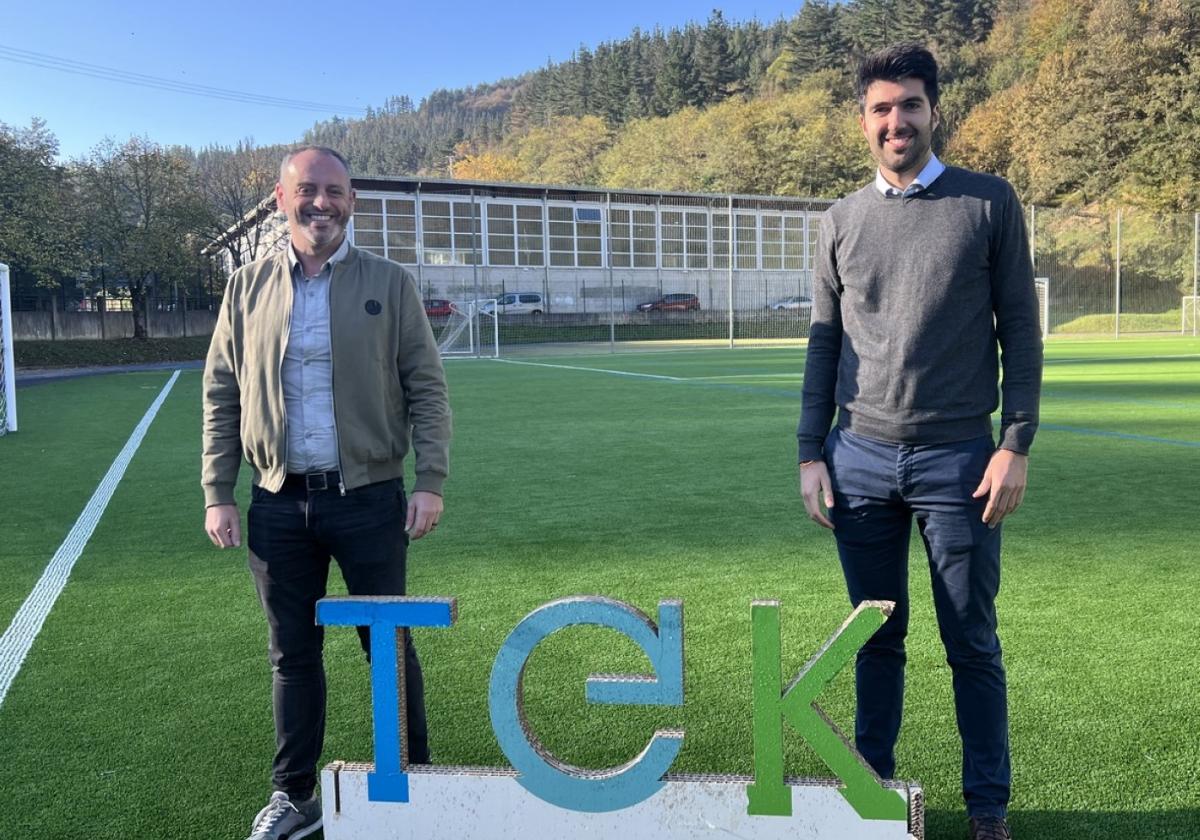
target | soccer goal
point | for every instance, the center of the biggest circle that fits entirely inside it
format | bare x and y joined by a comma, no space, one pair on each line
1188,315
8,378
471,330
1042,286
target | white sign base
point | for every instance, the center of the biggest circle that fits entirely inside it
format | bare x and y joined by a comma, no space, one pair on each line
452,803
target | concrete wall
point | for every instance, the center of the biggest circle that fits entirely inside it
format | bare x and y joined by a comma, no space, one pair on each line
55,325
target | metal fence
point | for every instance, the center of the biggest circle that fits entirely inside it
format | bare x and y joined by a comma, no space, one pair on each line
1119,272
608,267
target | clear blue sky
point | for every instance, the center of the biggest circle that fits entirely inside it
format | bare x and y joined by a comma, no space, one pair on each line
349,54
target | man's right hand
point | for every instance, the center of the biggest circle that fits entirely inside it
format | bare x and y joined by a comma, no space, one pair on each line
223,525
817,490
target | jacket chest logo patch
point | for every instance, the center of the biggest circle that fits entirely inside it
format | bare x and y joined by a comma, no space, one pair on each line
373,307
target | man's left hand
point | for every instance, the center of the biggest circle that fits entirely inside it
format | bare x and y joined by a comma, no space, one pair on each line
1004,485
424,511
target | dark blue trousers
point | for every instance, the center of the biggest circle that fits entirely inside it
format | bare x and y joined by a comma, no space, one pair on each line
879,488
292,534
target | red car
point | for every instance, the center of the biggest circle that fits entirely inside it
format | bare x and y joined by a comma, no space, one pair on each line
438,308
669,303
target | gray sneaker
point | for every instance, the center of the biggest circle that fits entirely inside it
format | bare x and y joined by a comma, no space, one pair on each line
284,819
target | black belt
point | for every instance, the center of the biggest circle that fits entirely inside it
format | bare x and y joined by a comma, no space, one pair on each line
314,482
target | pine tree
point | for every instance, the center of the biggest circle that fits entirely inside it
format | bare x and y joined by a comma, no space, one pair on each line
815,39
714,60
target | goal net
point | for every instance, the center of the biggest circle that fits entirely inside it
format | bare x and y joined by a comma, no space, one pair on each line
471,330
1042,286
8,380
1188,316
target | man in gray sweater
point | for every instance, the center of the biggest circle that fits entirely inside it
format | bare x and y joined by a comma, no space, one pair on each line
923,285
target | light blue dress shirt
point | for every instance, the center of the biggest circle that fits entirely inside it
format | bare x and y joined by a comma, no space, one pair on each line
928,174
308,370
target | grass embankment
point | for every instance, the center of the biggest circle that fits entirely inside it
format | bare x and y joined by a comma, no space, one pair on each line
1147,322
122,351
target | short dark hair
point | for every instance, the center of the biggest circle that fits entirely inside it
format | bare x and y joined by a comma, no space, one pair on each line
325,150
896,63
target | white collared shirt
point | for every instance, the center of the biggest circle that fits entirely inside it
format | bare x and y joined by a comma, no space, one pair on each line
308,369
928,174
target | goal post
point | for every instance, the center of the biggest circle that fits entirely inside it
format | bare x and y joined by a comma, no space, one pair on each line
472,329
1042,287
1187,315
8,377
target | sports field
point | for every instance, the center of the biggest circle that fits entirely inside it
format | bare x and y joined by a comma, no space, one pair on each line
143,708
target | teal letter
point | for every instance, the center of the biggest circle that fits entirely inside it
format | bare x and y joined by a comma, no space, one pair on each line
541,773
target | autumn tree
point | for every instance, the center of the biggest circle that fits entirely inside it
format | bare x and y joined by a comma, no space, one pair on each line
233,181
39,228
145,213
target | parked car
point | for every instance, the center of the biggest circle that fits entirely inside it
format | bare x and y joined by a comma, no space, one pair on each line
517,303
791,303
670,303
438,308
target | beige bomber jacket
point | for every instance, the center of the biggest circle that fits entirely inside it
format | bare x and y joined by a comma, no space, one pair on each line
389,389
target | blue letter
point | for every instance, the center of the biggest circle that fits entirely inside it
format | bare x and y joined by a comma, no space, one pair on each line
387,616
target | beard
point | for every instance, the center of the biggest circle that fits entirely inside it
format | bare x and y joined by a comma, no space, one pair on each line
906,159
320,233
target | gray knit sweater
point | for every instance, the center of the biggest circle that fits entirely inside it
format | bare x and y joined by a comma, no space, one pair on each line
911,297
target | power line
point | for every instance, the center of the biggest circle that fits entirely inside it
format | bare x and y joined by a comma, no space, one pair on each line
96,71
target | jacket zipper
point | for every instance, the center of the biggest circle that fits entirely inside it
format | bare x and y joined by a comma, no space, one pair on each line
337,441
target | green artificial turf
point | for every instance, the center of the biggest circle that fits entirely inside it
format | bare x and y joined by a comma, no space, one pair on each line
143,709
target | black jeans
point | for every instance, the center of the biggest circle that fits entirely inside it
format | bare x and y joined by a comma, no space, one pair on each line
292,534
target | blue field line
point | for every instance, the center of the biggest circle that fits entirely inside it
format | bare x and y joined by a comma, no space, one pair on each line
1066,397
1075,430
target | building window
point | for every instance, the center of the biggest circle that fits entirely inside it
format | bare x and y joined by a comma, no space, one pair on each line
391,234
574,236
720,240
401,230
746,240
502,235
645,251
446,228
671,230
368,225
772,241
531,244
696,230
793,243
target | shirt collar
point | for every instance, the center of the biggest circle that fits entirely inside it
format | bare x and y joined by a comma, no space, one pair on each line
338,256
928,174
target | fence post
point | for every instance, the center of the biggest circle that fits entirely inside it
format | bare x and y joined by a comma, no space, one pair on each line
1033,237
1117,285
474,267
732,251
606,244
1195,268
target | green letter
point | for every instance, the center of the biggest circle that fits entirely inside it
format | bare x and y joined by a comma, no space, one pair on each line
862,788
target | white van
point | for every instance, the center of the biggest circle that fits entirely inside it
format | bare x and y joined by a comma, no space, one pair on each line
518,303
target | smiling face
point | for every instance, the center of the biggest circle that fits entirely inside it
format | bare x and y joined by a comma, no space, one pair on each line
314,192
898,123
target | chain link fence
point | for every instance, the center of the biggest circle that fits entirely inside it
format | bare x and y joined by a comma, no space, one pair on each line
568,265
1117,272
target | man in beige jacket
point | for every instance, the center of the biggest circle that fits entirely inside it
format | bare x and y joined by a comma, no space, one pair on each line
322,373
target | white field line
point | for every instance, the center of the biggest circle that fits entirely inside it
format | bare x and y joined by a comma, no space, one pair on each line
20,635
595,370
795,376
